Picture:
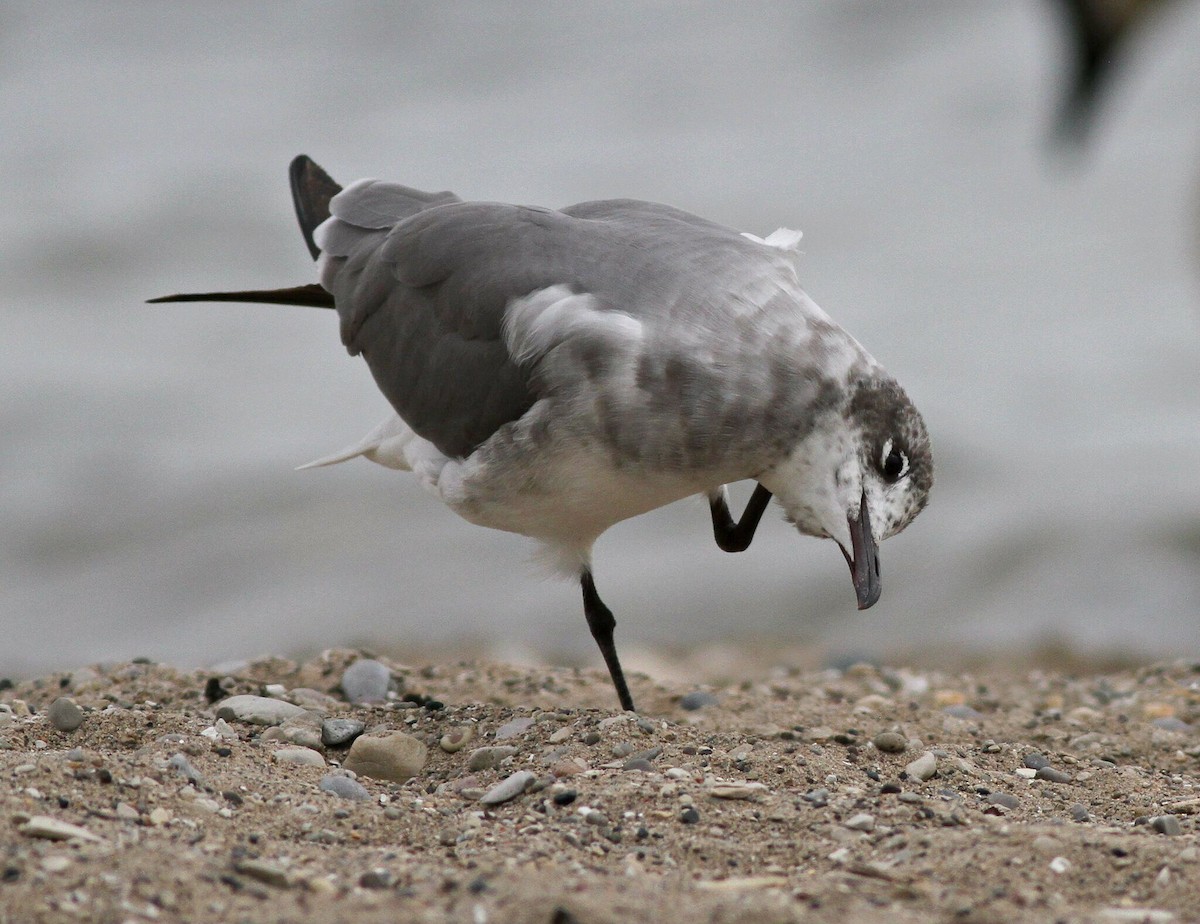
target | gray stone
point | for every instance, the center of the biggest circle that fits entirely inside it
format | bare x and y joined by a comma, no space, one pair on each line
509,788
487,758
337,733
963,711
1035,760
1166,824
64,714
890,742
861,822
344,787
513,728
396,757
1079,812
923,768
1173,724
264,872
304,730
1051,775
1005,799
366,681
697,699
181,765
303,757
257,710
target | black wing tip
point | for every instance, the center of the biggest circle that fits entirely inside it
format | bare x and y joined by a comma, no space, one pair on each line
312,188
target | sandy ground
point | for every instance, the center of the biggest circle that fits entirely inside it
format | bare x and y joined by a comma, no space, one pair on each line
792,795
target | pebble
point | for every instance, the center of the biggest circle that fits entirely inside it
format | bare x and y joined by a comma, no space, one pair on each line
344,787
1008,800
819,798
396,757
689,816
638,763
1035,760
1166,824
304,730
257,710
923,768
721,789
489,757
963,711
51,829
457,738
1051,775
890,742
1172,724
264,872
336,733
181,765
64,714
863,821
56,863
697,699
513,728
366,681
1060,865
313,700
508,788
302,757
1079,812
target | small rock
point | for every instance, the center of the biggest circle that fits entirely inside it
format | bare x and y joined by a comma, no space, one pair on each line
1172,724
638,763
861,822
1008,800
457,738
303,757
56,863
313,700
127,812
304,730
818,798
508,788
1166,824
366,681
489,757
181,765
257,710
689,816
890,742
1051,775
51,829
1060,865
513,728
923,768
963,711
159,816
396,757
264,872
64,714
379,878
336,733
1079,812
697,699
344,787
1035,760
720,789
565,797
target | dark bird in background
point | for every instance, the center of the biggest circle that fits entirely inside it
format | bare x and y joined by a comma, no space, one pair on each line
1098,32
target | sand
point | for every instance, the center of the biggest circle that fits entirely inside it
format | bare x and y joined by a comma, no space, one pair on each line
785,798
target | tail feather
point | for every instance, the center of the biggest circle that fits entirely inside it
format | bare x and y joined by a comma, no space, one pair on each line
312,188
311,295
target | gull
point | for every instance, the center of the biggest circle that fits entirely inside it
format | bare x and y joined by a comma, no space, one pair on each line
554,372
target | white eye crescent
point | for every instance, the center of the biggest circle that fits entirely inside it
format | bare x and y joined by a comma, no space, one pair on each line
893,464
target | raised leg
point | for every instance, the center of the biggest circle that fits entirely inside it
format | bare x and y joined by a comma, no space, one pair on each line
600,620
731,536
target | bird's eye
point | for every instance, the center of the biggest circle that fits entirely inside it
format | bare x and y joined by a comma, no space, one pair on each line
893,463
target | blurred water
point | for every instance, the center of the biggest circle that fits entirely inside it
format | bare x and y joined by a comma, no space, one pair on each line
1042,310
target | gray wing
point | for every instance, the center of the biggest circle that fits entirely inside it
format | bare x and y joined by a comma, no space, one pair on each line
421,283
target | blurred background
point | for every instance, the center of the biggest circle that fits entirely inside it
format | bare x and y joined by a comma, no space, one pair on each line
1029,268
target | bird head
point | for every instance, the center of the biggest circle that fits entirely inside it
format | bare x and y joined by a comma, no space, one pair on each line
859,476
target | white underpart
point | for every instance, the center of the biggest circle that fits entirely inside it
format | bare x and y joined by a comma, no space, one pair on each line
537,323
817,500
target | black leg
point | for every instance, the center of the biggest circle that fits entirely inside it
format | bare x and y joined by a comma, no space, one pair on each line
735,537
600,620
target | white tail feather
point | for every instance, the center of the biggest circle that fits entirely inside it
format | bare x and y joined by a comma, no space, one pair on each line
385,445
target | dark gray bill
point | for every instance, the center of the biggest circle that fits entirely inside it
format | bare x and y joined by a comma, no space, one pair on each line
863,559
